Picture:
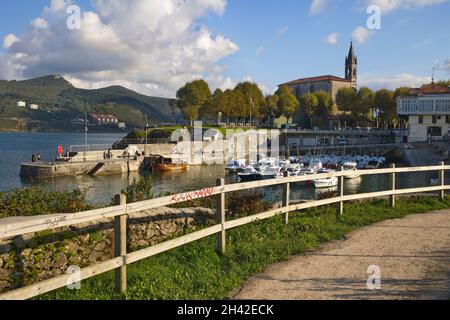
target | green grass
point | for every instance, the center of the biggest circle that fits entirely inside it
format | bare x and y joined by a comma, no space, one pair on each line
196,271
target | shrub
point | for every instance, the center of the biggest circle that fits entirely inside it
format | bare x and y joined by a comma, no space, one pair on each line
139,190
35,201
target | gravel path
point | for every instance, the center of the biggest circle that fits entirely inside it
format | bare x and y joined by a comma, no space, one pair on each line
413,255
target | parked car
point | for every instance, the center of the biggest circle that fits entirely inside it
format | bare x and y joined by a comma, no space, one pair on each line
409,146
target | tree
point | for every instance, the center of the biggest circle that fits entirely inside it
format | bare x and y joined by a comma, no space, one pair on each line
215,104
192,97
309,103
253,99
270,108
346,99
287,102
365,103
385,103
324,107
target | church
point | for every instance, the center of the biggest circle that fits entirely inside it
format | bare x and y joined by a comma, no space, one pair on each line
328,83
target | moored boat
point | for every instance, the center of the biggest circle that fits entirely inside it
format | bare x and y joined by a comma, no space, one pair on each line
325,183
249,174
170,167
351,170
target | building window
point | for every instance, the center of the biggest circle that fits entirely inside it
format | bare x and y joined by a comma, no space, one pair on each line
435,119
447,119
420,119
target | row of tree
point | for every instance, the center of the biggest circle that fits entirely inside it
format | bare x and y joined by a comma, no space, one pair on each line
247,104
244,104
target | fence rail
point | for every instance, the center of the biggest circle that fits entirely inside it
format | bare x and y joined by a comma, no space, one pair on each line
21,226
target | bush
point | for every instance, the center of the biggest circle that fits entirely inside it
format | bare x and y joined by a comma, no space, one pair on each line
35,201
139,190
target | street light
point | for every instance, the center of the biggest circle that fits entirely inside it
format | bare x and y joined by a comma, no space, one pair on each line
146,135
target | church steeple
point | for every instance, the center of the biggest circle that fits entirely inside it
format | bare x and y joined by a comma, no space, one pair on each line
351,67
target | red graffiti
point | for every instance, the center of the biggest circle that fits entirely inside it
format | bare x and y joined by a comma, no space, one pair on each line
207,192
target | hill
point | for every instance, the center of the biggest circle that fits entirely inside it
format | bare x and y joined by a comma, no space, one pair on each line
61,104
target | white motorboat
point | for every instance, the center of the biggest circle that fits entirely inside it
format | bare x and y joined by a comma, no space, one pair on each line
325,183
236,166
271,172
351,170
293,170
249,174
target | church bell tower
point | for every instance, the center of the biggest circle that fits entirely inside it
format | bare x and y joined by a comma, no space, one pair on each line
351,67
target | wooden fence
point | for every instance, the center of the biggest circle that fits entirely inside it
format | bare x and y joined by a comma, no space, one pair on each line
21,226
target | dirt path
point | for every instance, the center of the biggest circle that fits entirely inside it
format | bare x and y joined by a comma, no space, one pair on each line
413,255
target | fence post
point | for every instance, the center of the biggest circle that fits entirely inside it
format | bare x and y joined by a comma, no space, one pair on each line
341,192
286,198
220,218
442,180
120,244
393,185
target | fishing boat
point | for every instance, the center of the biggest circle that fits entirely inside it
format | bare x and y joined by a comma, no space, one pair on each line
166,165
325,183
170,167
249,174
351,170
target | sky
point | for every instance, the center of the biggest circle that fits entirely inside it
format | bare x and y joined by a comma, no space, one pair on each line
155,46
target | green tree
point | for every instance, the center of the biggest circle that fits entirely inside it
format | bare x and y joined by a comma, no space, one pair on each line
192,97
365,103
324,107
309,104
270,108
253,99
385,103
287,102
346,99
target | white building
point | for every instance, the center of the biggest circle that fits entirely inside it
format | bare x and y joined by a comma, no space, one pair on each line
34,106
21,104
427,110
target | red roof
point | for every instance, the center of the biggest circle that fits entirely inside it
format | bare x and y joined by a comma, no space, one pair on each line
430,89
316,79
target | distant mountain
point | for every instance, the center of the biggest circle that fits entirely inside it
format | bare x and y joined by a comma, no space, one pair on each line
61,103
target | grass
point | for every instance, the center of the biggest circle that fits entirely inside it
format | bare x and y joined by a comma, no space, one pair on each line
196,271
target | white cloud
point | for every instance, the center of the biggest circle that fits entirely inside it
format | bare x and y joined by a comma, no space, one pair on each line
317,6
259,51
361,34
283,30
39,23
151,46
9,40
393,81
332,39
391,5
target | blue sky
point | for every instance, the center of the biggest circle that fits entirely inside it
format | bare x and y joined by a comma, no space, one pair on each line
268,41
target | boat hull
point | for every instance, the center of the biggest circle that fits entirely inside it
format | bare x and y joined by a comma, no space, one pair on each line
170,167
325,183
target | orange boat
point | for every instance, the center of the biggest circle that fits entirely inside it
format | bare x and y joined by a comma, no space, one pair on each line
170,167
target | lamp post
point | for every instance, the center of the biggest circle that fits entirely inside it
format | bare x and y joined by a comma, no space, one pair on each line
146,135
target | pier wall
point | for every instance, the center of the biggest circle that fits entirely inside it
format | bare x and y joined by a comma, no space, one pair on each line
63,169
37,257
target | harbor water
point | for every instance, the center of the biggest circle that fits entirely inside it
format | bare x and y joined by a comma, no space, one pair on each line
18,147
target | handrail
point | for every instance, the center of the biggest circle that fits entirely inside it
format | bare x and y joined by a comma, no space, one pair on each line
43,223
21,225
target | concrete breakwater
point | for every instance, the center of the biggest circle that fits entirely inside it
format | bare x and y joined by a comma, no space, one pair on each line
61,169
25,260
